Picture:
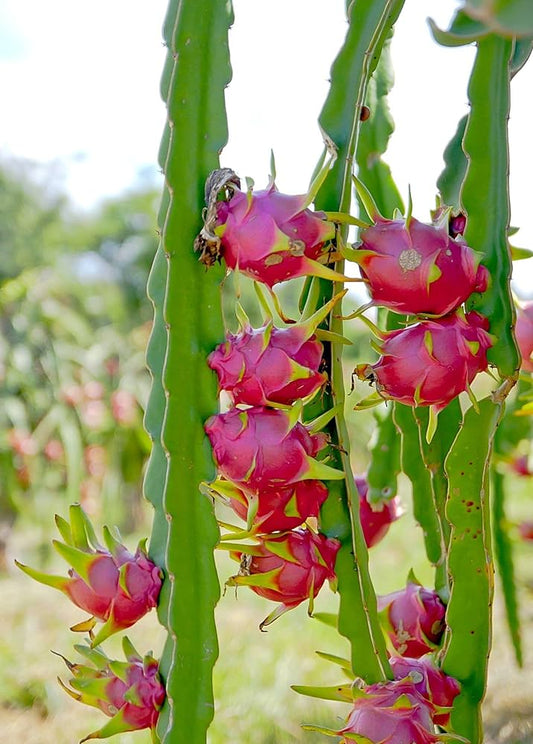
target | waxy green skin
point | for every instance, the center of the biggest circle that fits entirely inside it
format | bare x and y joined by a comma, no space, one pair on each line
487,182
187,327
423,502
467,638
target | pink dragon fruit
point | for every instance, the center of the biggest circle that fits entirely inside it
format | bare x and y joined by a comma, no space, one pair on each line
524,334
275,510
390,713
130,693
520,465
418,269
525,530
437,688
113,585
269,365
375,519
288,568
263,448
266,235
413,619
431,362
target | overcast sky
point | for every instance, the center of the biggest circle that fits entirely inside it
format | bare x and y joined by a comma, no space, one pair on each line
79,84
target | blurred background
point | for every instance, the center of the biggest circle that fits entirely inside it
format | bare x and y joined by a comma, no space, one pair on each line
79,192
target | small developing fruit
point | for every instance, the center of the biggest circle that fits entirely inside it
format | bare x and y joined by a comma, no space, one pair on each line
413,619
129,692
375,519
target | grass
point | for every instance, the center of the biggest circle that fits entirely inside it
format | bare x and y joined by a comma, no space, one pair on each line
254,702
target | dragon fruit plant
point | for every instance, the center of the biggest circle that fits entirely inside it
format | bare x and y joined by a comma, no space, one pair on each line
280,450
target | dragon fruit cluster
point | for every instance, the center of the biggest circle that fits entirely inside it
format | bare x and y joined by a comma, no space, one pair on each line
266,459
116,587
270,465
420,271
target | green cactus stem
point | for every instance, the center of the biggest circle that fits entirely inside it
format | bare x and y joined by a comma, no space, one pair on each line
370,24
187,325
467,640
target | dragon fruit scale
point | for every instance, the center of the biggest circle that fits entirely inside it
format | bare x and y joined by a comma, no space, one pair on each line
113,585
413,619
288,568
375,519
431,362
130,693
275,510
418,269
262,448
266,235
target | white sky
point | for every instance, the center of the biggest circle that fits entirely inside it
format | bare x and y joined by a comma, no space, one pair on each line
79,84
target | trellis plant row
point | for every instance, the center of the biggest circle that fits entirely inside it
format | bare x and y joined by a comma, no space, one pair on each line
280,450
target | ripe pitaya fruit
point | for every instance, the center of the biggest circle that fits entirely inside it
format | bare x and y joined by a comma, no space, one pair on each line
418,269
275,510
431,362
437,688
413,619
375,519
287,568
263,448
269,365
524,334
130,693
268,236
113,585
390,713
